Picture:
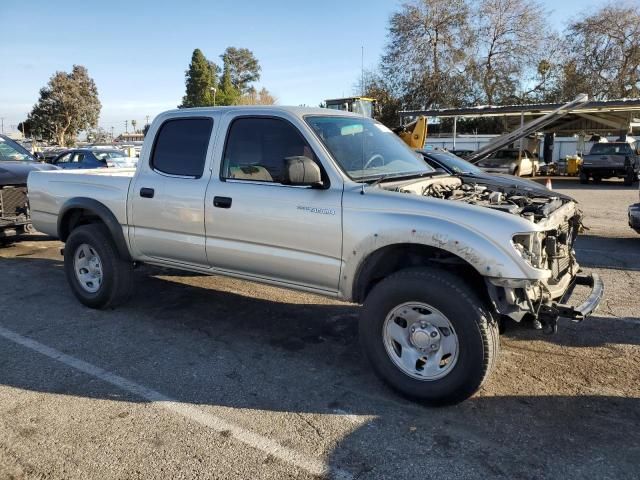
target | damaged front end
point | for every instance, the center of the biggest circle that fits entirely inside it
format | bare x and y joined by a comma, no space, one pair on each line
546,301
549,247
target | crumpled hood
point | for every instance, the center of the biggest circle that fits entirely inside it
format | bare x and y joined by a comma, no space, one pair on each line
16,173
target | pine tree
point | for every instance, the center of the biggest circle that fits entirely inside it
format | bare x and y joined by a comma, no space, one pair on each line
199,81
229,94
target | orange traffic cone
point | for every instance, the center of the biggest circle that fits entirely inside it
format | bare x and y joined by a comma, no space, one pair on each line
548,184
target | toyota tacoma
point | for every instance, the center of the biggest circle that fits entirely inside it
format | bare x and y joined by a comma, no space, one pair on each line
335,204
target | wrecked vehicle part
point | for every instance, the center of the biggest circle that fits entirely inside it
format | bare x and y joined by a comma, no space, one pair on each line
546,246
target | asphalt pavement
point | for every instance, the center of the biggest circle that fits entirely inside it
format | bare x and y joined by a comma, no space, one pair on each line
208,377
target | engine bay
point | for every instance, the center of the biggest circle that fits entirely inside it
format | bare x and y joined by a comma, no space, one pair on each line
529,205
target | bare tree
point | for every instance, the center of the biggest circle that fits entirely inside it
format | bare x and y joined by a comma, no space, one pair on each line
604,48
509,36
425,57
254,97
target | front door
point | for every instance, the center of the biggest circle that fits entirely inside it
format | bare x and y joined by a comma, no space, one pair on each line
167,196
257,225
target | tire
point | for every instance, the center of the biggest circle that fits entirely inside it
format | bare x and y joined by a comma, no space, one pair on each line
85,244
584,178
628,179
597,179
516,172
474,330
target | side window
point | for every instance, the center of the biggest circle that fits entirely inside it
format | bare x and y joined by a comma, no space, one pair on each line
77,157
257,149
64,159
181,146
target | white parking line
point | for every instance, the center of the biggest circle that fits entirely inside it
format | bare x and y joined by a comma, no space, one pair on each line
311,465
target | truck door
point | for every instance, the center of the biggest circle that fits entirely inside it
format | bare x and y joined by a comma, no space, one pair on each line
167,196
259,226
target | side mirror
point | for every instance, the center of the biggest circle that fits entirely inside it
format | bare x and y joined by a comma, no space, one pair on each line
302,171
39,156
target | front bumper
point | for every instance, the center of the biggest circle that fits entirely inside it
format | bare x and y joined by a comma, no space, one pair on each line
550,313
634,217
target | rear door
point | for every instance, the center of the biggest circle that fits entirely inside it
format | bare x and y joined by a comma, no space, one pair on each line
167,194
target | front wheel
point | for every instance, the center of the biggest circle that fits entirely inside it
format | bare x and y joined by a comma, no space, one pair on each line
429,336
97,275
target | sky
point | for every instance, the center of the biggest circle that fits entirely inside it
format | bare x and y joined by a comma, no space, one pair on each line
137,50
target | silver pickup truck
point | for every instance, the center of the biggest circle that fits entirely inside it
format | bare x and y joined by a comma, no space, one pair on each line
331,203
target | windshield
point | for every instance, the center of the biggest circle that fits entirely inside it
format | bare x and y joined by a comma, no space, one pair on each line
611,149
13,153
365,149
455,163
109,155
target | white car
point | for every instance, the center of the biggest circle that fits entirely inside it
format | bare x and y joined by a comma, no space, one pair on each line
510,161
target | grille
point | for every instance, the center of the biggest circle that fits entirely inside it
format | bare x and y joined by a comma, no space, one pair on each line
13,202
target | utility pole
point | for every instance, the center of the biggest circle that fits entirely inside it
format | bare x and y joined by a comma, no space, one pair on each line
126,126
2,124
111,133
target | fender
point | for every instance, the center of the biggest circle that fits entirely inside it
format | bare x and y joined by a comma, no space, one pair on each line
486,255
99,210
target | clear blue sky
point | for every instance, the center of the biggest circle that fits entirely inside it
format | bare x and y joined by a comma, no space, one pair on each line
137,50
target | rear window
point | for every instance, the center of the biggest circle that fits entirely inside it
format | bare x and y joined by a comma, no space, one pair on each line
181,146
611,149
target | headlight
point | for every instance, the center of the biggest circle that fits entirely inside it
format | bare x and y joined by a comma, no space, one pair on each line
529,246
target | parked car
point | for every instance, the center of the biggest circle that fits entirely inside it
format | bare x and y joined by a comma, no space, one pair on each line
333,203
611,160
15,165
454,165
510,161
90,158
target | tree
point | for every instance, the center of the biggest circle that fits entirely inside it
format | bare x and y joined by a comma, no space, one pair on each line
253,97
145,129
509,38
377,87
424,61
604,48
133,124
99,135
199,80
67,105
242,66
227,94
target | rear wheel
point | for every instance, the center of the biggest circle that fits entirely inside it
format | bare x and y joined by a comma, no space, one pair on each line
629,178
429,336
98,277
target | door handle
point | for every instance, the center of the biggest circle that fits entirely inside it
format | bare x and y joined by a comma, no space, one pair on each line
222,202
147,192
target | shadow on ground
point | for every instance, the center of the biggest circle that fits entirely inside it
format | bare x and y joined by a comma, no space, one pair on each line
206,346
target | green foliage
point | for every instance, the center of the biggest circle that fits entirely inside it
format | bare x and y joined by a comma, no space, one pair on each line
199,79
207,84
67,105
242,66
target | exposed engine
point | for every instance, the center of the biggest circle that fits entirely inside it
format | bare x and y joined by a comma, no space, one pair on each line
526,204
551,248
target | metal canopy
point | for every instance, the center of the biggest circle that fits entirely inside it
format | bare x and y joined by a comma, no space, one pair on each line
610,116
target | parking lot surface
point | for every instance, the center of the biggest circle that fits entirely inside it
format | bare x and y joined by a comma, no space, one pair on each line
207,377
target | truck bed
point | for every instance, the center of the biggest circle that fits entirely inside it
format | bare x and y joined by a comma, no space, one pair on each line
49,190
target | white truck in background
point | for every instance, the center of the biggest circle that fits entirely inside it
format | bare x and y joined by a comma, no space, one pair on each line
335,204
